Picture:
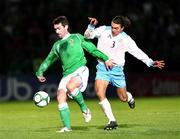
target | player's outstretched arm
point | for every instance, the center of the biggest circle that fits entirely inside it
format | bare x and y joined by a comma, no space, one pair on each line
159,64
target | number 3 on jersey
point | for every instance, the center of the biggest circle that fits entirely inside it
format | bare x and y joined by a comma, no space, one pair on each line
113,44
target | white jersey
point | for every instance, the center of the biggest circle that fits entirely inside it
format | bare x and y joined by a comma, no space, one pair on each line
116,47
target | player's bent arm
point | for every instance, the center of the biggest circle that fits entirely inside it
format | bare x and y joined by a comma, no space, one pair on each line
50,59
89,32
92,32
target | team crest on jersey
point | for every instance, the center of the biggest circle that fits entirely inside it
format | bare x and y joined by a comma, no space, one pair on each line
71,41
109,36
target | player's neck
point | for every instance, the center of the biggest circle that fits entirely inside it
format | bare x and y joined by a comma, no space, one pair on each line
66,35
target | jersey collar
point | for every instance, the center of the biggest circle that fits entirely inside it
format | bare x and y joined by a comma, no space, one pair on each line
66,36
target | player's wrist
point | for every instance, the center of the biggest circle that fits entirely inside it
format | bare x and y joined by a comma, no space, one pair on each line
154,63
150,63
106,61
90,26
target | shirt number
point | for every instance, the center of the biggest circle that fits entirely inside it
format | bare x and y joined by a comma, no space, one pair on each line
113,44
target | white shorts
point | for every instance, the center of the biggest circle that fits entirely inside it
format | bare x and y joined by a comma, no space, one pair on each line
82,73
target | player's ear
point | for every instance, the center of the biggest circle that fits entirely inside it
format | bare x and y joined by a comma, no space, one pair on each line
122,28
66,27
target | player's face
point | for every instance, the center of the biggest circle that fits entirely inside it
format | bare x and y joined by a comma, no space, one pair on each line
61,30
116,29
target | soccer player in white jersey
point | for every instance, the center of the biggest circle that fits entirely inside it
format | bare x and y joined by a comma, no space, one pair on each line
113,41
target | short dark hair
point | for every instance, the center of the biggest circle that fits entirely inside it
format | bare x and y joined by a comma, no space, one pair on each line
124,21
61,19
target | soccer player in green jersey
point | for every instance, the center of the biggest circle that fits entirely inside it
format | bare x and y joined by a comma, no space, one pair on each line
69,50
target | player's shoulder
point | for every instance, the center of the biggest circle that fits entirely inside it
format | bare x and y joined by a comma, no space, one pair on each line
104,27
124,35
76,35
107,27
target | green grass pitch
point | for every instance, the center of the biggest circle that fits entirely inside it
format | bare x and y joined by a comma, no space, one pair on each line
153,118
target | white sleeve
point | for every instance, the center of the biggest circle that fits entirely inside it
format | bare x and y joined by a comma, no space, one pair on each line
138,53
92,32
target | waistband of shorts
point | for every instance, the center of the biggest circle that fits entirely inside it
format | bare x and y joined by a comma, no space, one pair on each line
115,65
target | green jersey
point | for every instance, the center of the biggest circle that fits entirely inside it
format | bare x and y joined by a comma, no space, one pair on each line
70,52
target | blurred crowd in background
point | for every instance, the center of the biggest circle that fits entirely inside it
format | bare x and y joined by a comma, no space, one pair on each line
27,34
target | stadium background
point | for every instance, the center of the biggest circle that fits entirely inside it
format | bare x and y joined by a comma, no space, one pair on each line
26,36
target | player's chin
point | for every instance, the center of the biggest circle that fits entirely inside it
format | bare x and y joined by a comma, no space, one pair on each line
114,34
60,36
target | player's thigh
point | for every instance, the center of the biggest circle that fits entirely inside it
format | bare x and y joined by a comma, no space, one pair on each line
73,83
101,86
63,83
79,79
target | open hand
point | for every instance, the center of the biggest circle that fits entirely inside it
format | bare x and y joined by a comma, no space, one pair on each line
159,64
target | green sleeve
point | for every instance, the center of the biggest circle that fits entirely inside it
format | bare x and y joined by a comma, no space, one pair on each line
50,59
91,48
